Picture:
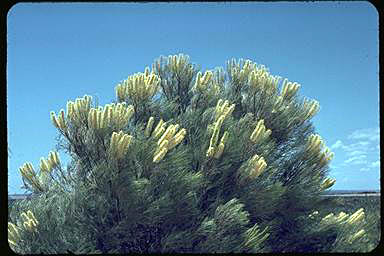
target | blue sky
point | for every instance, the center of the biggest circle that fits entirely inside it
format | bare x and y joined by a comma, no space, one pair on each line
59,52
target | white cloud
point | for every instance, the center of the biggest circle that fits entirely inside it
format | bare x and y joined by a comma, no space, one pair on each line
361,145
372,134
375,164
360,159
362,149
355,153
337,144
333,166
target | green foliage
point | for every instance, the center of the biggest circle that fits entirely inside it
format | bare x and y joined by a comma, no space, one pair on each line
372,223
243,176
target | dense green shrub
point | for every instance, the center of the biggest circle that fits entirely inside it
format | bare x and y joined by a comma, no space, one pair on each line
225,161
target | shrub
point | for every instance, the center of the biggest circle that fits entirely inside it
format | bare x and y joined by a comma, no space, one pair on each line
186,161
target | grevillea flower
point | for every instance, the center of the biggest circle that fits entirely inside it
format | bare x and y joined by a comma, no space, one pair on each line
327,183
139,86
13,233
357,235
289,89
341,217
168,138
210,151
119,144
257,166
223,109
44,166
260,132
54,120
177,139
157,158
148,128
357,216
310,108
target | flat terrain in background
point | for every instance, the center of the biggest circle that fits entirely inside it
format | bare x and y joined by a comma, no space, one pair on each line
351,193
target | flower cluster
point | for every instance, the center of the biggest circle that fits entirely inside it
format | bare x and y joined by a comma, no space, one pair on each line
76,111
260,79
223,110
256,166
251,169
29,224
79,109
289,89
240,70
138,87
217,151
148,128
13,234
344,218
356,236
119,144
29,174
356,217
314,148
260,133
206,83
177,62
311,108
59,121
168,137
327,183
111,114
52,162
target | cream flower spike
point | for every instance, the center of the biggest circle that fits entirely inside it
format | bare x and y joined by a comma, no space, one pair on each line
289,89
356,217
356,236
54,120
119,144
13,234
314,144
210,152
327,183
177,138
61,120
70,110
44,165
158,126
53,159
260,132
257,165
168,139
148,128
27,171
341,217
157,158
